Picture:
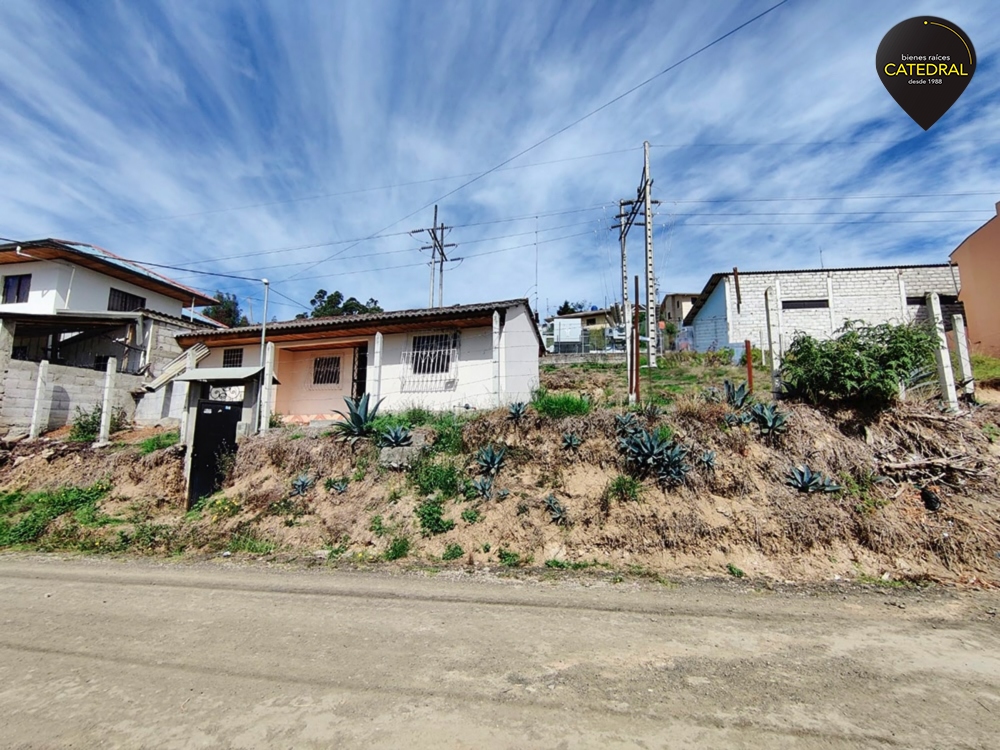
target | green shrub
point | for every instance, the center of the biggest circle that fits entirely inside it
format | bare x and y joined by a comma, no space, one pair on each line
158,442
449,434
251,543
453,552
398,548
863,363
87,424
556,406
510,559
734,571
377,527
430,477
624,488
28,516
430,513
470,515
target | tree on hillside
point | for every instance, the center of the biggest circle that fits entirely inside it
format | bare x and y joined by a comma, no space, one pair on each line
568,308
226,310
326,304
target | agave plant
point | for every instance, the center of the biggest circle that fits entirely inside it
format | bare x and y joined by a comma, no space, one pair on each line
571,442
358,419
770,421
490,460
336,485
736,397
707,460
711,395
739,418
396,437
483,487
651,411
626,424
805,479
301,484
643,451
517,411
672,469
557,513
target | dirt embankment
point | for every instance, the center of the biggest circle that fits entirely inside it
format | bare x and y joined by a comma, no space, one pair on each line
738,516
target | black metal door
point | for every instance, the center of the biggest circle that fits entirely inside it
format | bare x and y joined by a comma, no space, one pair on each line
214,438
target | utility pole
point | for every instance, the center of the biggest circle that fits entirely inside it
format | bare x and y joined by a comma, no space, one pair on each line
626,220
437,248
651,330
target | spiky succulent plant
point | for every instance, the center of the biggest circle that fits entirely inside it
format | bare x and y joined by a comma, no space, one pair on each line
490,459
397,437
736,397
336,485
517,411
571,442
626,424
804,479
557,513
358,420
769,420
707,460
301,484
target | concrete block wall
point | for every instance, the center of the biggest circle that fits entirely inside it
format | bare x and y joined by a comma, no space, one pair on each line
870,295
66,389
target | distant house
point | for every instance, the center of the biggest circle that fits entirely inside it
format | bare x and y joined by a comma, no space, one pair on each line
676,306
77,307
978,260
731,309
463,356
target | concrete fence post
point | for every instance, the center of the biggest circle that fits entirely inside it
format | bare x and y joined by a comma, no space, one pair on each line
945,375
772,344
190,362
38,410
108,402
964,362
266,388
377,366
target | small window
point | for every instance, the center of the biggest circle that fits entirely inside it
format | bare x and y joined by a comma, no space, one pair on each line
944,299
119,301
16,288
432,353
591,321
326,371
232,358
804,304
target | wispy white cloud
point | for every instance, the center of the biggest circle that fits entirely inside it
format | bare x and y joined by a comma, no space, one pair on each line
137,126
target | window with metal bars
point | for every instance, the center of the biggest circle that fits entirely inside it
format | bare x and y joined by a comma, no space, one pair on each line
326,371
432,353
232,357
119,301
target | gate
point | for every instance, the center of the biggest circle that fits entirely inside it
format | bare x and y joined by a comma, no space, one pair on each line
214,437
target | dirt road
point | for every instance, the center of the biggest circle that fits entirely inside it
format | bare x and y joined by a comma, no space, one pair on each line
105,653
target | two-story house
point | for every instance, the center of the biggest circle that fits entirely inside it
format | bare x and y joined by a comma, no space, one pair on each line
78,306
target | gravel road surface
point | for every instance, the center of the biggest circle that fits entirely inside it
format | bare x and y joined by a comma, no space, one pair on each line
131,653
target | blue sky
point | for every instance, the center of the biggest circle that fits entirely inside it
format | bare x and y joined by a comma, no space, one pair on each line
260,139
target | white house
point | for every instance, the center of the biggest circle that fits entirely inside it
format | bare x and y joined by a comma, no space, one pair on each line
478,356
731,307
76,308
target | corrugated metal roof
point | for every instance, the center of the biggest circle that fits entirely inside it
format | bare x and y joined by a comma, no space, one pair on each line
70,250
339,322
715,278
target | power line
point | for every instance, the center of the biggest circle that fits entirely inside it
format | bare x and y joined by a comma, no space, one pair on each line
826,198
356,191
357,240
574,123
